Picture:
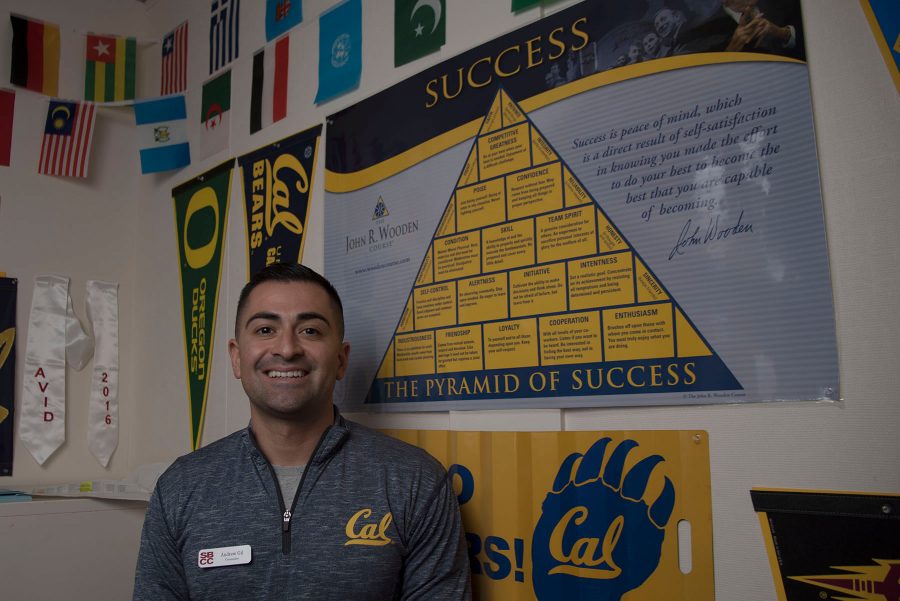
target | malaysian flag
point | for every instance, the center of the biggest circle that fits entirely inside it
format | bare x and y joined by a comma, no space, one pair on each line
223,33
174,61
67,138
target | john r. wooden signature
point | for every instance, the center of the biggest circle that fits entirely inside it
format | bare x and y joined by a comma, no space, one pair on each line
692,236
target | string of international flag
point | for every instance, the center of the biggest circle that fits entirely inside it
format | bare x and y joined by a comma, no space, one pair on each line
161,122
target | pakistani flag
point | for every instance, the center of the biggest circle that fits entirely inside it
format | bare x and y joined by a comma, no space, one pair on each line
420,28
518,5
215,106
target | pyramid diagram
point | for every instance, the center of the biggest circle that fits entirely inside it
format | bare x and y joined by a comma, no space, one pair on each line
527,289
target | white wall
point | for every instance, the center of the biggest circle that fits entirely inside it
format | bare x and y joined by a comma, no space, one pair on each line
851,445
82,229
77,549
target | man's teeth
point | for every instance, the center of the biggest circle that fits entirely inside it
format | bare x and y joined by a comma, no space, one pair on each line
286,374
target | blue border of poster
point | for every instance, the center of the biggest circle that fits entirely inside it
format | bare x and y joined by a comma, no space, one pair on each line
700,152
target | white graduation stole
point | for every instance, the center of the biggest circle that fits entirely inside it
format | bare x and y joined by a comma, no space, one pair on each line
102,305
54,336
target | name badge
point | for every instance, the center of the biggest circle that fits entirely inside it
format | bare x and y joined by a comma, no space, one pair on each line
223,556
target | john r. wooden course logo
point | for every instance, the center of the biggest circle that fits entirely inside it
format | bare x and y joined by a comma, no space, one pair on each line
383,233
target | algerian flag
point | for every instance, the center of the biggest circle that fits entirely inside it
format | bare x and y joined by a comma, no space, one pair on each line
215,122
420,28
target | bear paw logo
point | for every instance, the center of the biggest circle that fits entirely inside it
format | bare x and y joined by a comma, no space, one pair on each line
597,537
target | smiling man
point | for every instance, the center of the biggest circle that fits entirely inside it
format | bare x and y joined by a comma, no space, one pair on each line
302,504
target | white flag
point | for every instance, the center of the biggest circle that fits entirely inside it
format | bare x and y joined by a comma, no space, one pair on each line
102,306
55,336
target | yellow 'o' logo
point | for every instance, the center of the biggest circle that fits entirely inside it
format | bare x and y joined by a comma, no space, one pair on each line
201,256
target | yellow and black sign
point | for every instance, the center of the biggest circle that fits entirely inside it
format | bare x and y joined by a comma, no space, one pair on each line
554,516
831,545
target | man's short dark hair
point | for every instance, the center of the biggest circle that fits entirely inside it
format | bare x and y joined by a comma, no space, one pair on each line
289,272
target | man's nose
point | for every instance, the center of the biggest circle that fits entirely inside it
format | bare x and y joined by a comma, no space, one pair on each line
288,344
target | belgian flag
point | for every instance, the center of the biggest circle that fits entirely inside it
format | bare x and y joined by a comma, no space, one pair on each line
35,55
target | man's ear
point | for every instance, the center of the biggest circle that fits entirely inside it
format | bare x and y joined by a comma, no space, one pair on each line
234,353
343,359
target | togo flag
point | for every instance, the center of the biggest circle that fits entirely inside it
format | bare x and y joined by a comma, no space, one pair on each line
201,212
269,85
109,68
215,115
162,133
420,28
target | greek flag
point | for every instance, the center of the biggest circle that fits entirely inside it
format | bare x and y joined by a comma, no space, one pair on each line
224,26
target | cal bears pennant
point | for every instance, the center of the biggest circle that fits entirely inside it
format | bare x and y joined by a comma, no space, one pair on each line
831,545
201,208
277,182
7,371
557,516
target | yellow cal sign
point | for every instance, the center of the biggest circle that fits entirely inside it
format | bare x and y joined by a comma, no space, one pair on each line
370,534
553,516
272,197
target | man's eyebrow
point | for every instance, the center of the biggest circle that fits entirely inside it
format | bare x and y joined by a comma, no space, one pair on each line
261,315
269,316
310,315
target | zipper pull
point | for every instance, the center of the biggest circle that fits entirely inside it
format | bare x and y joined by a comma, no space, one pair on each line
286,521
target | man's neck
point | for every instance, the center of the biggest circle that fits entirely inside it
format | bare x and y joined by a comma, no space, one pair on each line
289,442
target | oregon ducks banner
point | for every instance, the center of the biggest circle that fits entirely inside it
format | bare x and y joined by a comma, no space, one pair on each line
7,372
201,207
557,516
277,181
831,545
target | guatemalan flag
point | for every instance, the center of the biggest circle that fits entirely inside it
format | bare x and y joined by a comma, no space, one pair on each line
162,133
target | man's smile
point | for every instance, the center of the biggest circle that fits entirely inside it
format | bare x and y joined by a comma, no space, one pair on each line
286,374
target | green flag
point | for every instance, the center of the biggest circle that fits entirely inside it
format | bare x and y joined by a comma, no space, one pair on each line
420,28
201,207
215,116
518,5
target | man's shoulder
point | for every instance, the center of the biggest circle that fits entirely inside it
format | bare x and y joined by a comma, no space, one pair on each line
390,452
193,466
